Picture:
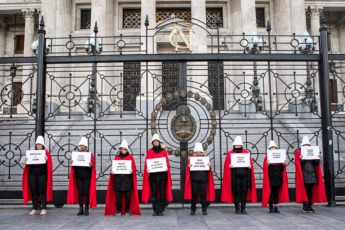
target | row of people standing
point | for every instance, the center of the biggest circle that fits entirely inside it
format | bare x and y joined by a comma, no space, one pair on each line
122,194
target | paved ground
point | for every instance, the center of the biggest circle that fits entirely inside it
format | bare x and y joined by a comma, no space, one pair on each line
219,217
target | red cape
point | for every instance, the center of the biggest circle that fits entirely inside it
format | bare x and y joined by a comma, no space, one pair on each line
210,193
227,195
319,194
146,190
72,194
25,181
266,188
110,207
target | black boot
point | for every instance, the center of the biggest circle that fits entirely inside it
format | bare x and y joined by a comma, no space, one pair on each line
243,207
86,213
237,209
276,210
81,211
271,208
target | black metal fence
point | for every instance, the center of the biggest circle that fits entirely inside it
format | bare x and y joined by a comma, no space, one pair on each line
112,88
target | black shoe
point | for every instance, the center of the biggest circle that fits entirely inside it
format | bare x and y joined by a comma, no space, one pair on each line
276,210
305,209
310,209
81,211
128,213
243,212
86,213
271,210
117,213
160,213
192,213
238,211
155,213
204,213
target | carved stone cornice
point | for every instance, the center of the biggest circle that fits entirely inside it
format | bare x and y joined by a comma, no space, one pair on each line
29,13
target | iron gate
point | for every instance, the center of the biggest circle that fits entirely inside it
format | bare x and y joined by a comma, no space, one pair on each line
96,87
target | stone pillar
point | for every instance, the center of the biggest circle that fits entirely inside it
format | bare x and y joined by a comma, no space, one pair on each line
341,28
282,26
199,41
248,15
2,54
49,12
102,12
315,13
297,15
148,8
29,16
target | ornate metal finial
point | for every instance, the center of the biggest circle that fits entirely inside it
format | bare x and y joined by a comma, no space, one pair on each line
269,28
147,21
95,30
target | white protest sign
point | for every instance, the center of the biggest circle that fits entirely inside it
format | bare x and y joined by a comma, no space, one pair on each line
36,157
199,163
310,152
122,167
81,159
276,156
240,160
156,164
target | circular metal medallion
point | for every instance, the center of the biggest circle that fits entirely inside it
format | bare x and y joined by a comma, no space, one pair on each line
183,125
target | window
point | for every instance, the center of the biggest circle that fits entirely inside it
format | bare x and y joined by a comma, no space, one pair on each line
131,84
260,17
131,18
211,17
17,93
216,69
19,44
85,18
170,81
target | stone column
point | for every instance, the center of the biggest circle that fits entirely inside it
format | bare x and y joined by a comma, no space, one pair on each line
315,14
29,15
148,8
198,9
297,15
248,15
281,26
49,12
341,29
2,54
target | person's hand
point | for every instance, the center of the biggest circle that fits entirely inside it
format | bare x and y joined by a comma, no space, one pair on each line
71,162
148,170
209,164
268,162
285,162
190,165
111,171
231,166
131,171
46,158
319,155
301,156
249,166
26,159
91,164
166,169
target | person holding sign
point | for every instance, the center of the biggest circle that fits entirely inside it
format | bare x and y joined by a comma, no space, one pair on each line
37,181
275,183
238,183
122,188
82,183
199,184
157,186
308,179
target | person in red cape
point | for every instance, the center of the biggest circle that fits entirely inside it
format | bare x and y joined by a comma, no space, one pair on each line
308,180
238,183
82,183
37,181
122,188
157,186
199,184
275,183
